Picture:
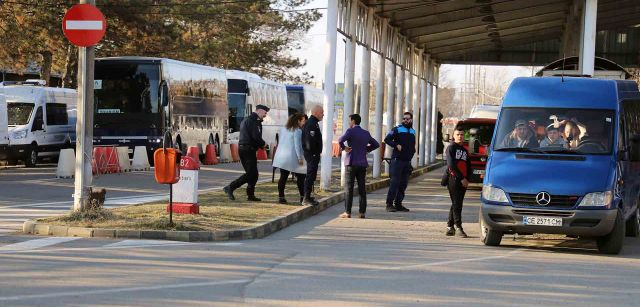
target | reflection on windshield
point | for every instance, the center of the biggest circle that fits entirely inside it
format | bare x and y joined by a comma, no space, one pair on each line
558,131
19,113
126,88
237,110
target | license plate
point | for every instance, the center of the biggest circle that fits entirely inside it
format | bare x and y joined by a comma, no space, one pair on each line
478,172
542,221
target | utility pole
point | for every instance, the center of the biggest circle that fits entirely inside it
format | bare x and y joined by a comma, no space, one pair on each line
84,125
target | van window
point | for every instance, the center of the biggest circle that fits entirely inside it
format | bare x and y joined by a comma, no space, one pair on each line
485,132
555,130
57,114
38,121
19,113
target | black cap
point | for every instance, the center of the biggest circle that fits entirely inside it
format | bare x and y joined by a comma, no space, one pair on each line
262,107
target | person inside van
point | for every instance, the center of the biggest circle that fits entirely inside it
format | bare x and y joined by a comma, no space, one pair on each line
574,132
553,138
522,136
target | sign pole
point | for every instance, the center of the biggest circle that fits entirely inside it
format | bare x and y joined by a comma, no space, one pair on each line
84,125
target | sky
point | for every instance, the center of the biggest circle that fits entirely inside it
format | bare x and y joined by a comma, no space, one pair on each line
313,46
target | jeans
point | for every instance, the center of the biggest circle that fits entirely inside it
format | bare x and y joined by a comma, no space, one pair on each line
456,192
399,171
353,173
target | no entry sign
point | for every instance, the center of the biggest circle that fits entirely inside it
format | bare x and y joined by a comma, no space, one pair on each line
84,25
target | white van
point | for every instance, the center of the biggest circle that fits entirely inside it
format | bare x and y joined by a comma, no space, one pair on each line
41,121
4,132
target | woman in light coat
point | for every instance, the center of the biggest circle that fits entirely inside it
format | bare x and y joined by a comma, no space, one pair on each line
289,157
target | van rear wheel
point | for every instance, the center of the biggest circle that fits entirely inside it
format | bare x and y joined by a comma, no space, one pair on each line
612,242
489,236
633,224
31,157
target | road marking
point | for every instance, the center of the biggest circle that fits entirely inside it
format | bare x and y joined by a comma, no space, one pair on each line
141,243
121,290
446,262
36,243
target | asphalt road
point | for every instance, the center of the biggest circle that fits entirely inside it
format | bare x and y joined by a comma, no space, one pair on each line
388,259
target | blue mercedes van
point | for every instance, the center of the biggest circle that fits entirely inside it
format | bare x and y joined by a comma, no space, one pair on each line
578,175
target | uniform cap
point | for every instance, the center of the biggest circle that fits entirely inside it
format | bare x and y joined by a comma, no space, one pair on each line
520,122
262,107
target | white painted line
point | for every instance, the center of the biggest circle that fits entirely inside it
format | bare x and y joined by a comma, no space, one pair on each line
122,290
37,243
141,243
84,25
446,262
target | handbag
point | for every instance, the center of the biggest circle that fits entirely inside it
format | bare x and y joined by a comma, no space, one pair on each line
445,178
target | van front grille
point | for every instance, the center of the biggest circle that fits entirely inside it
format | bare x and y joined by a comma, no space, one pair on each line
557,201
543,212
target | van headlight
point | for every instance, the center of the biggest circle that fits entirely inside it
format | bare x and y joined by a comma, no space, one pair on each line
19,134
597,199
494,194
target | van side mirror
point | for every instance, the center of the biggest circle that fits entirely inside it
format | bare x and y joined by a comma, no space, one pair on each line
473,131
447,137
474,144
164,94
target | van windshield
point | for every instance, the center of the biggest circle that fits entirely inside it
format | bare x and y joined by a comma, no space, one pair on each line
555,130
485,132
19,113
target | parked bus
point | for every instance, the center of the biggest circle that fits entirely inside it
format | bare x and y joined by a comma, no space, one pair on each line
580,181
246,90
301,97
137,99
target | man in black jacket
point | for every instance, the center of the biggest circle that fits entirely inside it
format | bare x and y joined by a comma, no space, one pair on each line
458,166
248,143
312,147
402,139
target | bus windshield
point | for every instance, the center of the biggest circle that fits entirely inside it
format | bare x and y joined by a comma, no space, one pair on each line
237,110
555,130
126,91
19,113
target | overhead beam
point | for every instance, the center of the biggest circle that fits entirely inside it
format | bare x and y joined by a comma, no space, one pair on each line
491,46
552,32
439,35
412,9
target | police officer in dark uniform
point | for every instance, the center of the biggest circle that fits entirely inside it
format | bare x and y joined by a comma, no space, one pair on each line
248,144
312,148
402,139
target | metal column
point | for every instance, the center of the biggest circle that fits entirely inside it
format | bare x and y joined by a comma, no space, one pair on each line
391,93
329,92
349,78
588,38
423,112
400,95
377,130
434,114
365,89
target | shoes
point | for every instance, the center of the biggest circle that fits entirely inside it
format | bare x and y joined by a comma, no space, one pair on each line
227,190
450,231
391,209
282,200
460,232
361,215
345,215
253,198
401,209
310,201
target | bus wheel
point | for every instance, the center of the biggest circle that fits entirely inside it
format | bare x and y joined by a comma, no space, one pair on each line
633,224
210,141
31,157
612,242
217,144
179,143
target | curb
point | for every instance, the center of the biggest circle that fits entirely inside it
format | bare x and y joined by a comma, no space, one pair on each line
256,232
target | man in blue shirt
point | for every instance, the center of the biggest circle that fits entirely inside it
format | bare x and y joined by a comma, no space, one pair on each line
402,139
359,143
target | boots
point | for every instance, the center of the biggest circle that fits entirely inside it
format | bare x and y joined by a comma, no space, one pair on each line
250,195
227,190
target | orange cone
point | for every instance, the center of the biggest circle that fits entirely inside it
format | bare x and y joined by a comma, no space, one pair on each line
261,154
235,155
194,153
210,156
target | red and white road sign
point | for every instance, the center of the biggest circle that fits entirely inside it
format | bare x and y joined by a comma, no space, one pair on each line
84,25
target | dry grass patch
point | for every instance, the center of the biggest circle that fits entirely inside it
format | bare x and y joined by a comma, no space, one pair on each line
216,211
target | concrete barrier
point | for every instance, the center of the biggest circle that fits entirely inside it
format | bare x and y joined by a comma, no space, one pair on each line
225,153
140,159
66,164
123,159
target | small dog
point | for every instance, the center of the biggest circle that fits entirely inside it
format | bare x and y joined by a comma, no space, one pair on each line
96,198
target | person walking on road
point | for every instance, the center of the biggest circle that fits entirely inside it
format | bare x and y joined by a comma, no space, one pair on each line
289,157
458,166
249,142
402,139
312,147
359,143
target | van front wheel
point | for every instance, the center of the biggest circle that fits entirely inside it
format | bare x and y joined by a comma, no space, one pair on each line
612,242
31,157
489,236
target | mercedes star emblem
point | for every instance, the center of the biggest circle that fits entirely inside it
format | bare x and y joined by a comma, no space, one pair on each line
543,198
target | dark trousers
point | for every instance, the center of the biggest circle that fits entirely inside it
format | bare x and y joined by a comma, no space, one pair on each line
399,171
312,172
353,173
284,175
456,192
250,165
